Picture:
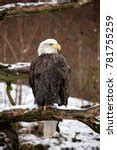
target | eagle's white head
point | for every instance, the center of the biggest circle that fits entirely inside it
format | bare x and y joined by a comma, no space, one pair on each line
48,46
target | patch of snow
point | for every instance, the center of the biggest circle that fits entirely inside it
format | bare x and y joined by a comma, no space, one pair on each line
71,128
66,107
26,124
2,92
16,65
12,5
74,134
4,64
19,65
26,95
30,107
72,101
7,6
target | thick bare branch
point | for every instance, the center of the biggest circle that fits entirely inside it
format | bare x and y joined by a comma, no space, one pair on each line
39,9
21,113
14,72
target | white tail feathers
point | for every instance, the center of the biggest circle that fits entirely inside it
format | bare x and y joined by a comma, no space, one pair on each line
49,128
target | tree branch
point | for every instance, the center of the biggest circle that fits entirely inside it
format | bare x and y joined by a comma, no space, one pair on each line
14,72
39,9
23,113
8,90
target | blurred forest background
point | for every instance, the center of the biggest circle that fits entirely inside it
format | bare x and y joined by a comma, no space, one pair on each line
77,30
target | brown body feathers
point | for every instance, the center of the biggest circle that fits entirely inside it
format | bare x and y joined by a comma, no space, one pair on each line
49,79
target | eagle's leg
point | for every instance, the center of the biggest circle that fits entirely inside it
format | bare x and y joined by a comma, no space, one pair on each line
45,107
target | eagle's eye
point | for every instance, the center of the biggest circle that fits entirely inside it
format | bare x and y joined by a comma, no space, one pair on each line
51,44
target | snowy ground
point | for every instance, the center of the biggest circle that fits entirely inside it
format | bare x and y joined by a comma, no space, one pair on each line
74,134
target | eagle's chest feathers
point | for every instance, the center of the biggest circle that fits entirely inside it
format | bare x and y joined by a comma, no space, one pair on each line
48,62
49,79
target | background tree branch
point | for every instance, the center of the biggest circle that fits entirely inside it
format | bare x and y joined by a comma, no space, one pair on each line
8,89
14,72
16,114
39,9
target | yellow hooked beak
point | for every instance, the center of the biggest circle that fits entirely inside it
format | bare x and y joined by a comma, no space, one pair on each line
57,46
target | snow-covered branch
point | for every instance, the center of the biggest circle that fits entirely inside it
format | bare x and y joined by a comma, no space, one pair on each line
13,72
29,114
36,8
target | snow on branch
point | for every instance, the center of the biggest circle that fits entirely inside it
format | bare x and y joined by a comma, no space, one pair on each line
29,114
36,8
14,72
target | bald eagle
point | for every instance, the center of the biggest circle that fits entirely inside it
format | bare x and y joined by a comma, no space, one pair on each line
49,79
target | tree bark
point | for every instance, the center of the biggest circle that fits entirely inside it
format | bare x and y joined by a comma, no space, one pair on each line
16,114
39,9
14,72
